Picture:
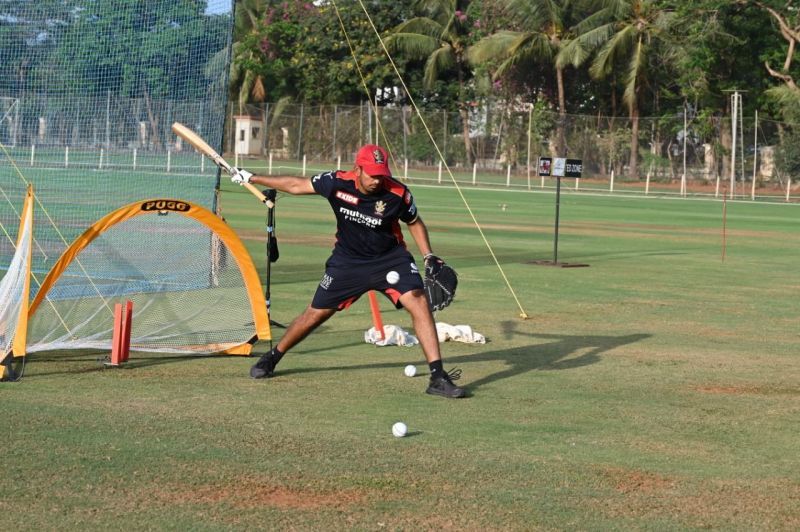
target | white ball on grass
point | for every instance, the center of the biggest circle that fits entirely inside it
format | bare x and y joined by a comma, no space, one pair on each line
392,277
410,370
399,429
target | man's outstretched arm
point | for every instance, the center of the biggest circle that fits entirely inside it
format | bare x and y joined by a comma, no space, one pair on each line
284,183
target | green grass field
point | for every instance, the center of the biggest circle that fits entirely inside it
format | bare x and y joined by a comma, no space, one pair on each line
658,388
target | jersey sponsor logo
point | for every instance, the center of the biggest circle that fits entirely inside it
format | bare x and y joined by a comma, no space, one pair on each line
165,205
379,208
349,198
360,218
412,210
407,197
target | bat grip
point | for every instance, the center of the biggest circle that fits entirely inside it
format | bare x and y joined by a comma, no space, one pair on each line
257,193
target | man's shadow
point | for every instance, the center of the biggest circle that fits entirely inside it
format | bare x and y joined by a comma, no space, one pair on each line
553,355
550,356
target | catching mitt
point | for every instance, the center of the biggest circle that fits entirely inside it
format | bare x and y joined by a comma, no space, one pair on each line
440,283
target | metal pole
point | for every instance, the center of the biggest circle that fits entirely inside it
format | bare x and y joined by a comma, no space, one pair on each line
335,114
108,119
755,156
265,141
16,123
683,177
403,110
530,118
300,134
558,203
369,122
735,105
444,135
741,137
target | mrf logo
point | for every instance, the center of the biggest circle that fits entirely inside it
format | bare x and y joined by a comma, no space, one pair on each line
166,205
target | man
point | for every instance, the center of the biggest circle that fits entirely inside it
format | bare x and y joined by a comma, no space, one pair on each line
369,254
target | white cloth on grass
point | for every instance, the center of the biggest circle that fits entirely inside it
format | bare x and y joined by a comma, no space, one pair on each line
458,333
392,335
395,335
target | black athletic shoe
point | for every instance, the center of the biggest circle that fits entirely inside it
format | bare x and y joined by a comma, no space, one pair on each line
265,367
444,385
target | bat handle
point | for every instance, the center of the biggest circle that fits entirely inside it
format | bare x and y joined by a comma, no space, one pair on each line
257,193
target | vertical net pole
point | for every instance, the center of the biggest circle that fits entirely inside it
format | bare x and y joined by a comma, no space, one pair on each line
755,156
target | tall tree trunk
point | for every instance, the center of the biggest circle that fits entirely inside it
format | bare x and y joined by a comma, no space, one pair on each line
152,119
464,112
562,114
634,161
726,139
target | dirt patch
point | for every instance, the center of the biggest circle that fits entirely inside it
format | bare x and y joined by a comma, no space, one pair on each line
631,480
745,389
768,504
252,493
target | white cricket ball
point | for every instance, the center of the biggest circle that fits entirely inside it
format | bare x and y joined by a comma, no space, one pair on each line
399,429
392,277
410,370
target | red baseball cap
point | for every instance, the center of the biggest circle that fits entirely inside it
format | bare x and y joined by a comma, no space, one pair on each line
374,160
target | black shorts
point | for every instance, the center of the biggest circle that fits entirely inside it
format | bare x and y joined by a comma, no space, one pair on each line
346,280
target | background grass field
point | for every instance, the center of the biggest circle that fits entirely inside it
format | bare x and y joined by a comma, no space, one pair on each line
658,388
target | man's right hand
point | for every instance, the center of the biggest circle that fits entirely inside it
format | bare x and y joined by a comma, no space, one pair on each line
240,176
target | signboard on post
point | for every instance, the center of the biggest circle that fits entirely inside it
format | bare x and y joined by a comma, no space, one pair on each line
573,168
559,167
545,163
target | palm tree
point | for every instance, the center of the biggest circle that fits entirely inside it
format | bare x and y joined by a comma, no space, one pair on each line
622,33
438,35
540,41
244,83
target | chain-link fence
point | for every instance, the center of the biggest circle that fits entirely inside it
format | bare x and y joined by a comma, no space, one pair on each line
687,152
500,143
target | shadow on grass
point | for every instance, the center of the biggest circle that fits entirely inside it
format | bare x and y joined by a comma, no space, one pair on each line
91,361
551,353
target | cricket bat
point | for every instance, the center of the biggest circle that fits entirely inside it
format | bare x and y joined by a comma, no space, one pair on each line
202,146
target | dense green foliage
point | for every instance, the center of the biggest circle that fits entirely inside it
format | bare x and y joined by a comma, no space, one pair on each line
643,56
89,47
616,57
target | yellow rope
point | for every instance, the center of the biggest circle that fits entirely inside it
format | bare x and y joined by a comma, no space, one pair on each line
372,105
522,314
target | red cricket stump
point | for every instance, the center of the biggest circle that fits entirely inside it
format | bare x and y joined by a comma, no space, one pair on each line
121,339
377,321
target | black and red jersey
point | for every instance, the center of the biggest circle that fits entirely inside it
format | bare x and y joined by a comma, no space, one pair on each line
367,226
